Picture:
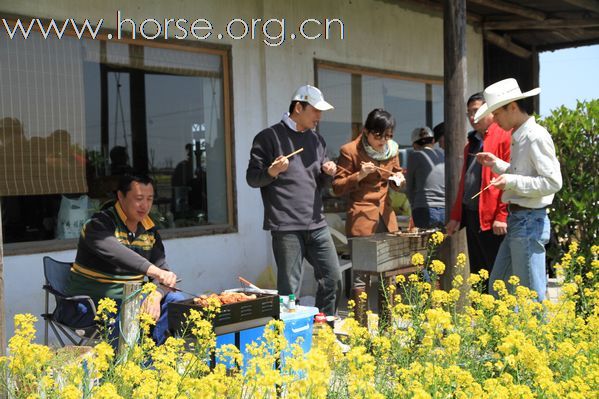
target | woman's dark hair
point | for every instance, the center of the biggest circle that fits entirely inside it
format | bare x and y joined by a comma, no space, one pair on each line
304,104
379,121
125,182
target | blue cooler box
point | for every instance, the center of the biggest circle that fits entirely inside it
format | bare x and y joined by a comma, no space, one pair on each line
298,324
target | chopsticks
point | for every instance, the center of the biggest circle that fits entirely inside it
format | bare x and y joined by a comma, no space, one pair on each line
477,194
379,168
342,168
290,155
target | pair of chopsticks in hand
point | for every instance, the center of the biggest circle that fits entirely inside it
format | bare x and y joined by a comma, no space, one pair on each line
481,191
377,167
289,155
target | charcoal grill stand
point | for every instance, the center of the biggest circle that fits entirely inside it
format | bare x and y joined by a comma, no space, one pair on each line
386,255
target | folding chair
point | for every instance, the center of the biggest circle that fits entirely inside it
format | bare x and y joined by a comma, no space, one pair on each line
57,274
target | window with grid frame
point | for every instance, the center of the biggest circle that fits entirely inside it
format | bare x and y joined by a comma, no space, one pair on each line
76,114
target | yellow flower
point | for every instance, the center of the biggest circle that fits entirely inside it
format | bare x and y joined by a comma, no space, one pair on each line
106,310
148,288
474,279
400,278
590,275
437,266
452,343
514,280
458,280
498,285
573,248
437,238
417,259
461,260
484,274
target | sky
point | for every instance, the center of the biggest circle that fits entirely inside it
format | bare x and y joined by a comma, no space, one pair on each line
568,75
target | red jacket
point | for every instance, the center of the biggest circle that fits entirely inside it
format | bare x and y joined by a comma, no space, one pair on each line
490,208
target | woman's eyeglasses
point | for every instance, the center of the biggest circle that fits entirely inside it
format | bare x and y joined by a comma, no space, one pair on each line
380,135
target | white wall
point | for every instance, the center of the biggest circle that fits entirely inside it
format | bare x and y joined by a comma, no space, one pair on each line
377,34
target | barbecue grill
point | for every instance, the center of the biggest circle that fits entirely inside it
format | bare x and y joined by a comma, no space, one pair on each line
232,318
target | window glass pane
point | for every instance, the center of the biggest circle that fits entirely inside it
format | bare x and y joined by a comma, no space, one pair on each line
404,99
438,115
335,125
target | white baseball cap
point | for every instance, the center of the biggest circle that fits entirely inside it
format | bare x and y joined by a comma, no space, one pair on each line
312,96
502,93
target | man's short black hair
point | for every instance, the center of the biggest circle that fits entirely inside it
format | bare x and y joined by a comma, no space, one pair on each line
439,131
125,181
379,121
524,105
304,104
425,141
475,97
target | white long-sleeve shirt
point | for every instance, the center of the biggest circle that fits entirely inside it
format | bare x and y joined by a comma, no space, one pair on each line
533,176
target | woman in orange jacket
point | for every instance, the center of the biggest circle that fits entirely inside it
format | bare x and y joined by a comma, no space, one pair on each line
367,167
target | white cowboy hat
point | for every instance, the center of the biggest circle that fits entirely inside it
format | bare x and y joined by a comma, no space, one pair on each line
312,96
502,93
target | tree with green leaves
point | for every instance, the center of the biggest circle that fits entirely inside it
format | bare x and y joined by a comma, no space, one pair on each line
575,209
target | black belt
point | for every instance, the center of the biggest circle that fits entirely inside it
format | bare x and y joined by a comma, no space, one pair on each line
515,208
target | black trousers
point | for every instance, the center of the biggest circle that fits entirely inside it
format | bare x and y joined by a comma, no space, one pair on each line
482,245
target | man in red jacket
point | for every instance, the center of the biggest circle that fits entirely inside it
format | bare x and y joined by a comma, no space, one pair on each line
484,216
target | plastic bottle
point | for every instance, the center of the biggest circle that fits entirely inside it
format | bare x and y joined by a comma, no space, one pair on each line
282,307
291,305
320,324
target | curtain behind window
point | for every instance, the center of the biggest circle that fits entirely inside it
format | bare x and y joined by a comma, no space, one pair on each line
42,119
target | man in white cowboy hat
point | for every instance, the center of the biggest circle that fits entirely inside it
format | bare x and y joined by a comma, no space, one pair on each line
529,183
291,193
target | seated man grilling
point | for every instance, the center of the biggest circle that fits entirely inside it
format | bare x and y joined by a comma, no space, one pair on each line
121,244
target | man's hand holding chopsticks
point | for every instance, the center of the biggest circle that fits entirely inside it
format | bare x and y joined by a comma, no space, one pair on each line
280,165
499,182
486,159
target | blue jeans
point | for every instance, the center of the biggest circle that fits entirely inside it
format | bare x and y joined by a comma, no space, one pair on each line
427,218
291,247
522,252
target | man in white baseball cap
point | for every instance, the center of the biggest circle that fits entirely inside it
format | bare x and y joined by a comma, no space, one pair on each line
291,189
312,96
529,183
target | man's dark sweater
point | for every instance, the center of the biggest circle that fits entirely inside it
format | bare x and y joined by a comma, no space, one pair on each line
292,200
109,255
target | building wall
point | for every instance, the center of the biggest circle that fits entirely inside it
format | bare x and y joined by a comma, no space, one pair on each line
377,35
